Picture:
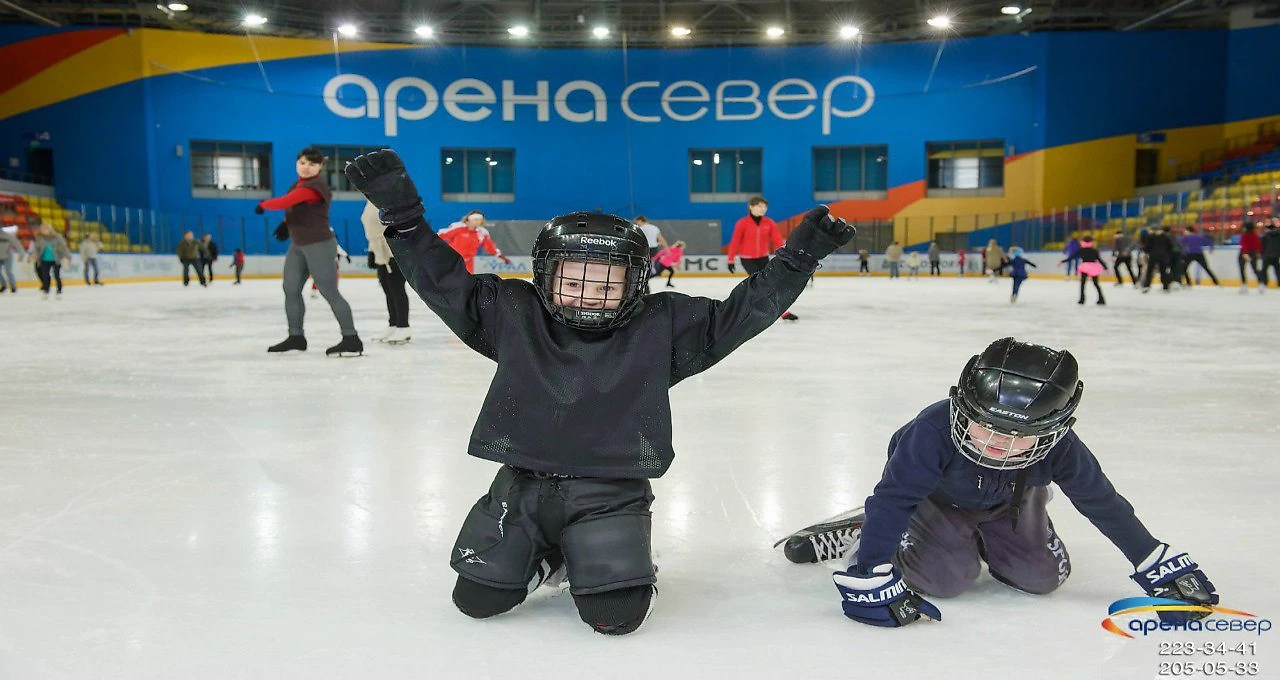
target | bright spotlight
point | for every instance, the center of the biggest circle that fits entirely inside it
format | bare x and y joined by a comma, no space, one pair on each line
424,31
849,32
1011,9
519,31
600,32
774,32
177,7
347,30
254,20
680,31
940,21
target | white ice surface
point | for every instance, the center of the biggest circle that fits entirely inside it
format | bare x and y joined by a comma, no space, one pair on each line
175,503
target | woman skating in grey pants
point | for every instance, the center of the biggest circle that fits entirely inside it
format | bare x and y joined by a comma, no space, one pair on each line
312,253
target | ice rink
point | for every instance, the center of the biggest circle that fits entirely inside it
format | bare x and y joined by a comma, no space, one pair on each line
175,503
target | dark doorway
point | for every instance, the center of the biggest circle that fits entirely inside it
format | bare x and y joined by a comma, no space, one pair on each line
1147,168
40,165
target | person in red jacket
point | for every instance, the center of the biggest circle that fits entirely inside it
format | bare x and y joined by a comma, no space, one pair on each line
1251,255
755,237
468,236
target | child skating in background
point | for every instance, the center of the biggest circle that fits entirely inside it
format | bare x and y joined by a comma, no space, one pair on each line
1017,265
913,265
960,256
1091,266
967,482
668,259
579,422
237,263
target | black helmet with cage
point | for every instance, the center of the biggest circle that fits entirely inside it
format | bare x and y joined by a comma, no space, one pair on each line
606,290
1015,389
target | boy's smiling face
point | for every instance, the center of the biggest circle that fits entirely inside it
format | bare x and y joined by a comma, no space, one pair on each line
307,169
589,285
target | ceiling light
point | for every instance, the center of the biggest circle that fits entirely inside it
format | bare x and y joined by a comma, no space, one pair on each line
848,32
178,7
940,21
254,20
1011,9
519,31
600,32
347,30
424,31
774,32
680,31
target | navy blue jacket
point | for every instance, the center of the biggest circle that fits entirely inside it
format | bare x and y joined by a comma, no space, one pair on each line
923,462
1018,267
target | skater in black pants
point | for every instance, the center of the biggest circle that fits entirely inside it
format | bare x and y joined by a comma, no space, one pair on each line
1158,246
579,422
209,255
1091,267
48,251
935,259
1194,244
1270,253
1122,251
864,262
389,277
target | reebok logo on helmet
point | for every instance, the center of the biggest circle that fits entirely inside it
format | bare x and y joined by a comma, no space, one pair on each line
599,241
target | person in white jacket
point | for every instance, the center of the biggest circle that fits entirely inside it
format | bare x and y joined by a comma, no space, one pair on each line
389,277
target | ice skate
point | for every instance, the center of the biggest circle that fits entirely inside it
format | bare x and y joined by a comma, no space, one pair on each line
828,540
349,347
386,337
293,342
400,336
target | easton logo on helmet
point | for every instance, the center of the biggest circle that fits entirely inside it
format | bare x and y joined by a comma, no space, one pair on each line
599,241
1011,414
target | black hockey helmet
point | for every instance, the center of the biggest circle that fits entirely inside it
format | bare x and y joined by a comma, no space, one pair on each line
1015,389
591,297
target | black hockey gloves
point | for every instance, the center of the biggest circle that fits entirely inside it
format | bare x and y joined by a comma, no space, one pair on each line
282,232
1174,576
881,598
381,177
733,269
817,236
258,209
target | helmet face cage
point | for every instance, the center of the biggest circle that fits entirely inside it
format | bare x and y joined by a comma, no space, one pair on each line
603,299
974,448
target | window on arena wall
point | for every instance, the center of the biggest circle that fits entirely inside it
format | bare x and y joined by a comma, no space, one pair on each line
339,156
965,168
230,169
725,175
850,172
478,175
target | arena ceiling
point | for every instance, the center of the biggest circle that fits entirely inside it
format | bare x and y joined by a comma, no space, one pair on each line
564,23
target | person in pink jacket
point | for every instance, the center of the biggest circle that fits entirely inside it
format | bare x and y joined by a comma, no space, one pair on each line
667,260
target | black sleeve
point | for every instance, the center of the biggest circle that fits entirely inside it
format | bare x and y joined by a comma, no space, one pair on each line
1081,478
1029,263
704,331
466,303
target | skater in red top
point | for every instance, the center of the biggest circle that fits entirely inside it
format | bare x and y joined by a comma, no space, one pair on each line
755,237
467,236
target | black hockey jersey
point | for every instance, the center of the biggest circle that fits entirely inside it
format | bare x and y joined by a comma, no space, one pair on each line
584,403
